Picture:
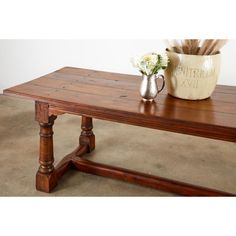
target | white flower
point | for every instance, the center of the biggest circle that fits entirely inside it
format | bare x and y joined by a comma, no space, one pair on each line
150,63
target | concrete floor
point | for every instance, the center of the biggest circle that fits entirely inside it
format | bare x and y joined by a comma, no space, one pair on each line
206,162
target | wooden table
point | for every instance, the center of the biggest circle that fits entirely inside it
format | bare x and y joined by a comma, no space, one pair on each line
115,97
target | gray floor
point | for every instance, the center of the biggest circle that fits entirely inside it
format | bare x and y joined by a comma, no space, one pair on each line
195,160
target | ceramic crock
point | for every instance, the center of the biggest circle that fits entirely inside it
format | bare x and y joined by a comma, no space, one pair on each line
192,77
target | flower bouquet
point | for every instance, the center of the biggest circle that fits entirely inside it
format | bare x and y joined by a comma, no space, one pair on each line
149,65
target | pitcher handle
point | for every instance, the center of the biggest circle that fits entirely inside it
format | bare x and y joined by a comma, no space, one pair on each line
163,82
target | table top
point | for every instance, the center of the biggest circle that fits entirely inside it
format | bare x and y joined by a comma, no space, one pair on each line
115,97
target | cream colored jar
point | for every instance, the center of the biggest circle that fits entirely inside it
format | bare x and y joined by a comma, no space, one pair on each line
192,77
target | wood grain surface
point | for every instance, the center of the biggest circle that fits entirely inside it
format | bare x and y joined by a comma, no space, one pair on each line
115,97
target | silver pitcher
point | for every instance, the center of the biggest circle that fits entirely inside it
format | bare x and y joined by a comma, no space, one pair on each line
149,88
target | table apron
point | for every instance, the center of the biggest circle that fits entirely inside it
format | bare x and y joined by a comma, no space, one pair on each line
177,126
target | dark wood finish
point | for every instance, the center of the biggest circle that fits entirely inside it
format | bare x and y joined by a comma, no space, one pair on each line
87,137
66,163
144,179
115,97
45,177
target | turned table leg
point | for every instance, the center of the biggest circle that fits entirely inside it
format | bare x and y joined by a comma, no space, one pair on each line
45,178
87,136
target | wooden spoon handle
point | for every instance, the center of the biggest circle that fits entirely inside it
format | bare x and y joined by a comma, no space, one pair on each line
219,44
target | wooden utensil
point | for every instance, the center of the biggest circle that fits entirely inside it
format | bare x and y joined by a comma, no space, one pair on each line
196,46
218,45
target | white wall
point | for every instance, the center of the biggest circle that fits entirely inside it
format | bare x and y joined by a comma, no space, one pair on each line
24,60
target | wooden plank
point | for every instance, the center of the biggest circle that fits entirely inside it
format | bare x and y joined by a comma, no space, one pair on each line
147,180
117,103
125,77
111,79
97,74
210,130
190,128
112,83
126,85
205,105
115,97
